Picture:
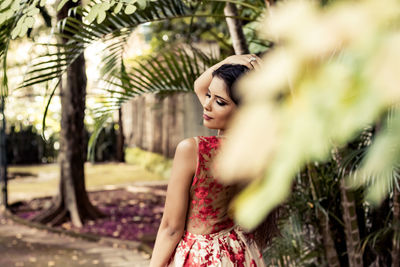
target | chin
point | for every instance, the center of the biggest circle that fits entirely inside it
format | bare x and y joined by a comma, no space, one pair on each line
208,125
211,126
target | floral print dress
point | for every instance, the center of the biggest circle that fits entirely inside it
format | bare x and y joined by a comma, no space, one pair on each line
211,238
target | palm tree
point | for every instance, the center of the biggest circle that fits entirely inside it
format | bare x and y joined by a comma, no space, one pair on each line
324,221
72,136
171,71
235,29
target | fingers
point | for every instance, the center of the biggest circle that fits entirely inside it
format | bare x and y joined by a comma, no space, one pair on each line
255,61
251,61
254,65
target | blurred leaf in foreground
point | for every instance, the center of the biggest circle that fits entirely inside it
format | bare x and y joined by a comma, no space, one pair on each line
334,71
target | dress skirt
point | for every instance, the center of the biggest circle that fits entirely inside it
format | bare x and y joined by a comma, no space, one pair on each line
229,247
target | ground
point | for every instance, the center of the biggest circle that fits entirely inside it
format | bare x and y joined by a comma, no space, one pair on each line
131,197
25,246
132,213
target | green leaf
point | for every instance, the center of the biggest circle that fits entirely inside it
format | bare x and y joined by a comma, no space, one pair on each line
29,21
130,9
118,7
98,126
32,11
6,15
15,32
105,6
92,14
142,4
5,4
16,5
101,16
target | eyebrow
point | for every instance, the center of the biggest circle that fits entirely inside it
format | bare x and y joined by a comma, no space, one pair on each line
208,90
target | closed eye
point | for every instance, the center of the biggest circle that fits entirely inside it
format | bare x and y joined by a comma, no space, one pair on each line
218,102
221,103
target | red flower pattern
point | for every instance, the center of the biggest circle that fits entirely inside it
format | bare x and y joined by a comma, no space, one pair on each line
220,239
216,249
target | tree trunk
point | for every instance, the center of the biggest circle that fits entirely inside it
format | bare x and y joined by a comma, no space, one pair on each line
351,228
72,201
351,225
395,253
3,158
120,138
324,226
235,30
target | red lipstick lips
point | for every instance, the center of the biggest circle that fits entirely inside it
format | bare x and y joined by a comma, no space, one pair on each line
206,117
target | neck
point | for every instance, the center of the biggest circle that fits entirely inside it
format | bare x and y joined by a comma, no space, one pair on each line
221,132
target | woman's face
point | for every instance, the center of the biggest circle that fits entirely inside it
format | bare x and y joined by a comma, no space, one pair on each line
218,106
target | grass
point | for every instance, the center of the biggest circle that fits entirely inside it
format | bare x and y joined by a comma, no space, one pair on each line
43,180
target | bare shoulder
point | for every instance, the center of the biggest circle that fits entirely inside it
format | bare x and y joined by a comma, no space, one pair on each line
187,150
187,146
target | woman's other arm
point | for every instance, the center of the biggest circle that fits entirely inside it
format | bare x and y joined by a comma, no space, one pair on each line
174,218
203,81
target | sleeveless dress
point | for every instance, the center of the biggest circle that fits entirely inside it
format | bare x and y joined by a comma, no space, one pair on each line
211,238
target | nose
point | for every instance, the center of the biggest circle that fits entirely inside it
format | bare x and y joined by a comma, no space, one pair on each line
207,104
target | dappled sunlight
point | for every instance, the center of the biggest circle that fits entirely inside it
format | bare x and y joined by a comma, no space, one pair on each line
43,180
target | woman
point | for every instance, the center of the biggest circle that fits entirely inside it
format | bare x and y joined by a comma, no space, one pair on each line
196,229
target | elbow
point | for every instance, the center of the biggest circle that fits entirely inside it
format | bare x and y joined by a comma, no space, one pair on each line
173,229
171,232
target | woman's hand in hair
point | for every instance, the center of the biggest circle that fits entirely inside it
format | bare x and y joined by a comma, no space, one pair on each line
201,84
251,61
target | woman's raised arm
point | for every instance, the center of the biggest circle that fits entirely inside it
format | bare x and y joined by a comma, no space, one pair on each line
203,81
174,218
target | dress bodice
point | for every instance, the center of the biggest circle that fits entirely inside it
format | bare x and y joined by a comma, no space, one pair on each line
209,199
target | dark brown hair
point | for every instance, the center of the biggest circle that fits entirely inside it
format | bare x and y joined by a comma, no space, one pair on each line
229,73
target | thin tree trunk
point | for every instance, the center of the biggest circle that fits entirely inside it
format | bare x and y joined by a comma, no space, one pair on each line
351,228
3,158
325,230
120,138
395,253
235,30
351,225
72,201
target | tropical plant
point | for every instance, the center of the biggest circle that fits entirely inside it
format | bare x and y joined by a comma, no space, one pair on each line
314,95
110,22
333,73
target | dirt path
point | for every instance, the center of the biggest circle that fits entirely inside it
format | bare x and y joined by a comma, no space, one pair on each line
24,246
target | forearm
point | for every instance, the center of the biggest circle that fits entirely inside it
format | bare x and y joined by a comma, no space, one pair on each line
202,83
165,244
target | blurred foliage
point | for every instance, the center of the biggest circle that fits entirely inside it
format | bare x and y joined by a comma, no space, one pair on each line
333,72
209,28
152,162
26,146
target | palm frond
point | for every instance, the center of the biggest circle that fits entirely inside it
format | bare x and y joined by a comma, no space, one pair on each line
101,120
377,166
172,70
5,37
114,31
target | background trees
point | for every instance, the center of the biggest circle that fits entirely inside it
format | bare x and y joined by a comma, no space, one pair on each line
327,96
